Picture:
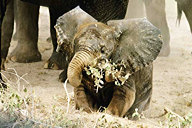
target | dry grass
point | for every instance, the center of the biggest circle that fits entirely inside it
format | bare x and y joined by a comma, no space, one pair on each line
20,107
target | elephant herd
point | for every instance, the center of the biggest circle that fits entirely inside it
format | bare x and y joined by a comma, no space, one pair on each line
93,31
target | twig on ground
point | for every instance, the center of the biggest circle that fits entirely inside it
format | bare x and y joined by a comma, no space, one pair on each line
20,77
68,99
169,111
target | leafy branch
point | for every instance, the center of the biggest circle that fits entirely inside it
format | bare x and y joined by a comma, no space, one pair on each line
107,71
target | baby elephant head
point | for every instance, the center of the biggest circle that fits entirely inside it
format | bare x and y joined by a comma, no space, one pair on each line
92,43
136,42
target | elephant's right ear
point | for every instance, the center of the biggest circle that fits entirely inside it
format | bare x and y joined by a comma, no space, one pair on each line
67,25
139,43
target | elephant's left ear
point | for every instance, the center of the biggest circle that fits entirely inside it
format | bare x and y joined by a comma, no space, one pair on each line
139,43
67,26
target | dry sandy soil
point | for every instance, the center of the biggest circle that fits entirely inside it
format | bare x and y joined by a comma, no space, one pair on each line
172,75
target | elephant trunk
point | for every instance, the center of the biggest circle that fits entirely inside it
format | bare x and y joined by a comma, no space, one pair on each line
77,64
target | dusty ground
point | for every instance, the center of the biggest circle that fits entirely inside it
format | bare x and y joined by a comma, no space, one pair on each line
172,75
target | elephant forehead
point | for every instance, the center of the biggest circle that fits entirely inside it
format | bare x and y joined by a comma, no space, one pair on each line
95,36
96,28
92,44
95,42
90,37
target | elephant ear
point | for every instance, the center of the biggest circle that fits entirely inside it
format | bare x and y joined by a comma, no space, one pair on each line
67,26
139,43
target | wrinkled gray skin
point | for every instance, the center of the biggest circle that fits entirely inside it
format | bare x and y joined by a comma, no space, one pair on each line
137,42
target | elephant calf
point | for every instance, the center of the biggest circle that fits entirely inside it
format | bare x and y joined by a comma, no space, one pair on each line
137,42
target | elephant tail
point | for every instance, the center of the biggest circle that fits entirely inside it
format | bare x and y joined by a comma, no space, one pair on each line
179,14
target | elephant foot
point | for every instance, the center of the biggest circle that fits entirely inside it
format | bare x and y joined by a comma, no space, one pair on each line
25,54
63,75
56,61
165,51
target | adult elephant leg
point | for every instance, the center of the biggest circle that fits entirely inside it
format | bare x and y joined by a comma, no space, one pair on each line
186,7
2,14
135,9
27,33
188,13
57,60
155,10
7,31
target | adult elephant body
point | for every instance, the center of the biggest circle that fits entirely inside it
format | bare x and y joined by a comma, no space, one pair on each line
102,10
27,20
135,42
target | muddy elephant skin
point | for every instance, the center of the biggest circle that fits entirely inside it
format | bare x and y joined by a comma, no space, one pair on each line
137,42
